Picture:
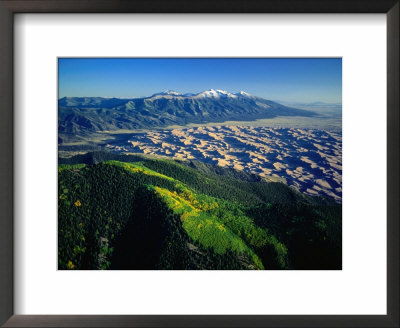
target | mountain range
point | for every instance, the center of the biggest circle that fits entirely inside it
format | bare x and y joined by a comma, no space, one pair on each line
80,117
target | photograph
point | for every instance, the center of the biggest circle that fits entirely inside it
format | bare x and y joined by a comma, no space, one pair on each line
199,163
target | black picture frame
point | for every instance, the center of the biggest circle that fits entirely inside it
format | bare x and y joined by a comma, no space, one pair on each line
7,10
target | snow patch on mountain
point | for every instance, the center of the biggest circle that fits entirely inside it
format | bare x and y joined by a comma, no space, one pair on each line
212,93
215,94
167,93
244,94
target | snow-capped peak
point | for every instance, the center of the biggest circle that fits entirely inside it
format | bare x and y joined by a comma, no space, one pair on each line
171,92
244,94
211,93
215,94
168,92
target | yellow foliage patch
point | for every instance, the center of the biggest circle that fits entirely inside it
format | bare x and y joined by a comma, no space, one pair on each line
221,227
70,265
78,203
178,203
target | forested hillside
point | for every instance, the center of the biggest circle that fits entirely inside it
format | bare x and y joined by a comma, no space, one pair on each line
134,212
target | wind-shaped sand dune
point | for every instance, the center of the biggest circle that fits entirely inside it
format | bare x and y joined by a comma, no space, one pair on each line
307,159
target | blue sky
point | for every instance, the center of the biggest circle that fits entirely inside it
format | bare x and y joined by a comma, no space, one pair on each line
285,79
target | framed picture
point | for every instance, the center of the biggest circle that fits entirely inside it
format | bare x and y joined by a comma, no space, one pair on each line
213,164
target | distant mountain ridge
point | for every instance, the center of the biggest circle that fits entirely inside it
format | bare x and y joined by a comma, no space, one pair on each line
79,117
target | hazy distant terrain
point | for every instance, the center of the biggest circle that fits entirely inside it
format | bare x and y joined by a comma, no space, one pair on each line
325,109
